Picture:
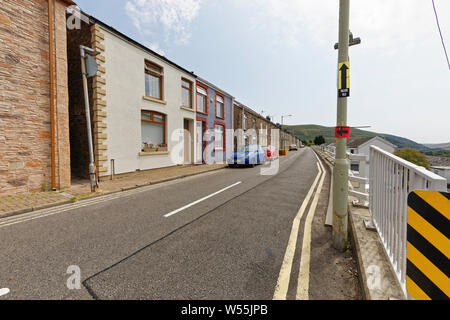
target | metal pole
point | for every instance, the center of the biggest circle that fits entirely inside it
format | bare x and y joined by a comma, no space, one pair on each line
92,168
341,167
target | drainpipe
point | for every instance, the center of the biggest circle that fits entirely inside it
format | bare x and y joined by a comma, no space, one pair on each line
52,91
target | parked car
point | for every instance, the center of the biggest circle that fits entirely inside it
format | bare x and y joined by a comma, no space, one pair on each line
271,152
249,154
293,147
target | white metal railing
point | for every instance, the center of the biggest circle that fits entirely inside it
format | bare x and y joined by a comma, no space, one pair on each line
391,180
360,178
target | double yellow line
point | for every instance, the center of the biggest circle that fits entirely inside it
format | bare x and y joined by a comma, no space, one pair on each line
286,268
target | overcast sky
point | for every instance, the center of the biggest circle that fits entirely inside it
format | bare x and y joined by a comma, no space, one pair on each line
278,57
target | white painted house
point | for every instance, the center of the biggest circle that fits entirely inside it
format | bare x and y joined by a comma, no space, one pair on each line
443,172
362,146
150,101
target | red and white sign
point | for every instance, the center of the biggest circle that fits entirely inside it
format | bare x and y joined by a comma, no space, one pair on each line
342,132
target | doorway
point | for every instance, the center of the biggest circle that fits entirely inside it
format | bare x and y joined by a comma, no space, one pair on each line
188,141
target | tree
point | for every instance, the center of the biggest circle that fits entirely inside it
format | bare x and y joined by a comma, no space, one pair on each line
319,140
414,156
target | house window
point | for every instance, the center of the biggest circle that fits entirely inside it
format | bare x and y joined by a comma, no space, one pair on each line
254,123
219,137
219,107
245,122
153,80
153,128
186,93
202,97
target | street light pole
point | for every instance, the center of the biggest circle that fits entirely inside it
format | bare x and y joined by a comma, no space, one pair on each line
283,135
341,167
84,51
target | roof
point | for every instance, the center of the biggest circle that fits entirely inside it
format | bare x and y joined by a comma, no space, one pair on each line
440,167
120,34
69,2
250,110
436,161
214,87
356,143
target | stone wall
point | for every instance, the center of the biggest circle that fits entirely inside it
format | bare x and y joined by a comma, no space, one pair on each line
25,134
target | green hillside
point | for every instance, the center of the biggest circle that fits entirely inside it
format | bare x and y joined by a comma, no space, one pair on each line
310,131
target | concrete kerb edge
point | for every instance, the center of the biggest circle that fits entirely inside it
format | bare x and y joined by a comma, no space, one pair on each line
8,214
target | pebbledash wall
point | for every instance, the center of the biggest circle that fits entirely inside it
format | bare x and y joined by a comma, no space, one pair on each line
209,119
25,132
118,99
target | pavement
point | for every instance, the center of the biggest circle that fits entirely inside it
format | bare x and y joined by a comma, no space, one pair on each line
219,235
80,188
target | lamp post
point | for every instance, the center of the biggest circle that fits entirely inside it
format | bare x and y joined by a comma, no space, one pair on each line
341,167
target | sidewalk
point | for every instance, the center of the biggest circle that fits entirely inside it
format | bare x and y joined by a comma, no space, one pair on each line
21,203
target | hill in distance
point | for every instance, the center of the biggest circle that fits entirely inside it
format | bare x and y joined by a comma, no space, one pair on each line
441,146
310,131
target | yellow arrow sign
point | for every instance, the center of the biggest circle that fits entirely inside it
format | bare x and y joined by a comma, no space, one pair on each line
344,75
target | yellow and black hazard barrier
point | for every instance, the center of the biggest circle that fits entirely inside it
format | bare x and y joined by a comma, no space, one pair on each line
428,246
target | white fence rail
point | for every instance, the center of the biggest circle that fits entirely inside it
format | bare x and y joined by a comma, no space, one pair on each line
391,180
359,178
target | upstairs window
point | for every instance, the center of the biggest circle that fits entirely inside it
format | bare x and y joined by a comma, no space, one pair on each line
154,76
202,99
219,107
186,93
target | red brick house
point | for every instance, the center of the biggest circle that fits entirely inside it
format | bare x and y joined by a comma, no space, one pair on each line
34,123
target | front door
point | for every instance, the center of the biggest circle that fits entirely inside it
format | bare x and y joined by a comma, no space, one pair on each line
187,142
199,148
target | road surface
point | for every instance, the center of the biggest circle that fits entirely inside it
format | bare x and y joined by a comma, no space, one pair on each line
220,235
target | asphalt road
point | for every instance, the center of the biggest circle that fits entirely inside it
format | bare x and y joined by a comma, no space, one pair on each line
231,245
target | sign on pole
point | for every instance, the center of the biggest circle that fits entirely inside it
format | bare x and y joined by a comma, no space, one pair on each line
428,245
342,132
344,79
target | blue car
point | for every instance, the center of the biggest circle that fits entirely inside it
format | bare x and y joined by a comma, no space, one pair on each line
250,154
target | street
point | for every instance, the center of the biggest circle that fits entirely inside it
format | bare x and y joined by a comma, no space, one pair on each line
219,235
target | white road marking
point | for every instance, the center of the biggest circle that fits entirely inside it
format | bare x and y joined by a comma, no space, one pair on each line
200,200
285,272
303,276
4,291
68,207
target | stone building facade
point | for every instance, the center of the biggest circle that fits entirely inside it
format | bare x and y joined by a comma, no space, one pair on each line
257,129
25,128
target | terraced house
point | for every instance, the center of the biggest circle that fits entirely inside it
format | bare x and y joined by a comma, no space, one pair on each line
34,123
214,123
143,105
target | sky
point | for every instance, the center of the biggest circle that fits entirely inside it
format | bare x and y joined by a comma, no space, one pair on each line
277,57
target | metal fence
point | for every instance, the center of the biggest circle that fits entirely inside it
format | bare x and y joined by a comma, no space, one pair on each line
391,180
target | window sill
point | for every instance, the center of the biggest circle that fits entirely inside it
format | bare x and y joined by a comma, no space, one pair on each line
187,109
154,99
144,154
